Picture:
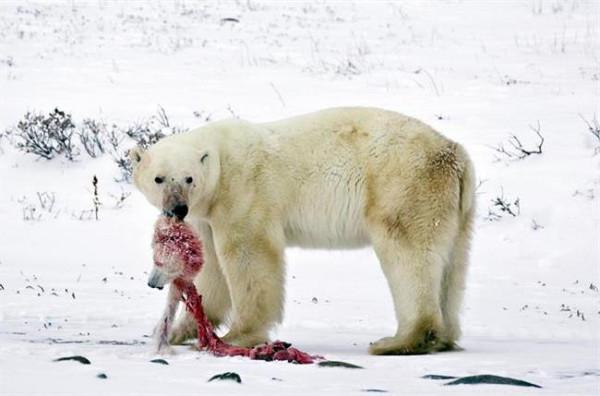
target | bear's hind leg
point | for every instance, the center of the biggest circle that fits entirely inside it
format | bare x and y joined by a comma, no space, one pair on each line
414,275
453,283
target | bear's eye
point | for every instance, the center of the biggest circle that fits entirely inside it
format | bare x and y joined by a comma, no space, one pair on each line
189,180
159,180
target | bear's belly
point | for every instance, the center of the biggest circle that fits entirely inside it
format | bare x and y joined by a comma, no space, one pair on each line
337,222
325,239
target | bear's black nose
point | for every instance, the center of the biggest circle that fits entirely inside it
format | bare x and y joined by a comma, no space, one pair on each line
180,211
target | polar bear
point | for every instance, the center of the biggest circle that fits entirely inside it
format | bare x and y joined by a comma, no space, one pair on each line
337,178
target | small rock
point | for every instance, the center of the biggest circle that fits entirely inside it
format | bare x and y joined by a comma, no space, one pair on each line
438,377
228,376
77,358
374,390
333,363
102,376
491,379
159,361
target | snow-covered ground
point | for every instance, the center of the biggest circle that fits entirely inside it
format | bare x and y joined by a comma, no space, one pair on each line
478,71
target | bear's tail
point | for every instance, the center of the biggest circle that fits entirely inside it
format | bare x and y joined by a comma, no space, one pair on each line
467,184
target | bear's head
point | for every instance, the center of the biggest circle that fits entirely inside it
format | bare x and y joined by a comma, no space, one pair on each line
175,177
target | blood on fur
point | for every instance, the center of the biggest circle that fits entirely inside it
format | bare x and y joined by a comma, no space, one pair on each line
178,252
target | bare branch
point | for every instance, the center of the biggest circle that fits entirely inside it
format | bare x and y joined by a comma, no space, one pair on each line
519,151
594,128
96,200
502,206
278,94
162,118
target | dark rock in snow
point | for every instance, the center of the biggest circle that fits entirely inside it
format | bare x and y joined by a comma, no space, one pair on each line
374,390
102,376
228,376
438,377
159,361
77,358
334,363
491,379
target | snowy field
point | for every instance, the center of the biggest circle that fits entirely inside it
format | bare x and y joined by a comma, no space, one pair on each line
478,71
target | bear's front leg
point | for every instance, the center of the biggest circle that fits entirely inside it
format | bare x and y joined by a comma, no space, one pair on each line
211,283
252,263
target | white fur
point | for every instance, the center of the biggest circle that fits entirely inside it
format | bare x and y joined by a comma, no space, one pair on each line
338,178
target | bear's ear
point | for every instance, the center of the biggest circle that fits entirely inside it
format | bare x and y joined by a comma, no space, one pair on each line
204,157
135,155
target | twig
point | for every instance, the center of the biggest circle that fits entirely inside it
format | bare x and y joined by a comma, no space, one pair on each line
96,197
278,94
594,128
437,91
162,117
233,113
519,151
120,200
501,206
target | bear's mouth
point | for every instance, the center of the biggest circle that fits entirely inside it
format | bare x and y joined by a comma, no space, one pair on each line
179,211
